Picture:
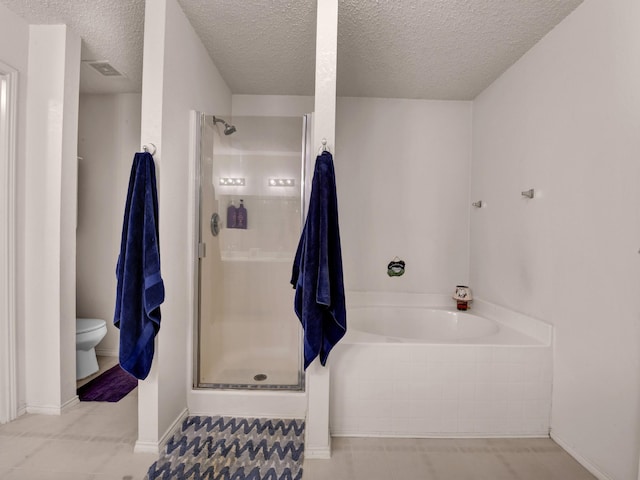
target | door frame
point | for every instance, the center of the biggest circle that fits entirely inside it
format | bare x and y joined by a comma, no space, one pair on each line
8,350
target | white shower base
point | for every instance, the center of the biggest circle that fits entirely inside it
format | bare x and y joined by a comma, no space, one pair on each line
241,368
248,403
234,348
238,368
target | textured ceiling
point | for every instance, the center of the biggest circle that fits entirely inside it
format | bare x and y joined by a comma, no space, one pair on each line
260,47
438,49
111,30
435,49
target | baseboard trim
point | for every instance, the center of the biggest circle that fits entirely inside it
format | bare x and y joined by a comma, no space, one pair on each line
70,403
348,434
156,447
146,447
319,453
43,409
174,426
106,352
52,409
579,458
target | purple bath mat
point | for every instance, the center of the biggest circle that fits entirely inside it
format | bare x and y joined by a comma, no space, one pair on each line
111,386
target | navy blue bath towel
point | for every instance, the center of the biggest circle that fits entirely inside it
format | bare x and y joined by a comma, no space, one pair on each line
317,269
140,289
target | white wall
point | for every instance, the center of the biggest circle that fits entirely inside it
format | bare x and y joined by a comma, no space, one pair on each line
14,51
178,77
402,169
271,105
50,209
108,137
564,120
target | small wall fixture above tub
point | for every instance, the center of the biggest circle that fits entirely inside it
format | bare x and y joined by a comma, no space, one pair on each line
528,193
478,204
395,267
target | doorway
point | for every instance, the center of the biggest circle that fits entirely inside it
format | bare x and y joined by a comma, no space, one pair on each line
249,216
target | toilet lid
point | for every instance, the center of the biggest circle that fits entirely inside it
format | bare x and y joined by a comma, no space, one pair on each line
85,325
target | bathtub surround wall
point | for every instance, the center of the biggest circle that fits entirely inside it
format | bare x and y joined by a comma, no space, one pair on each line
493,385
108,136
50,210
403,190
440,391
564,120
178,77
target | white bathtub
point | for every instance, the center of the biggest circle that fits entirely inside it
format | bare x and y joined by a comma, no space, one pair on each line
428,325
410,371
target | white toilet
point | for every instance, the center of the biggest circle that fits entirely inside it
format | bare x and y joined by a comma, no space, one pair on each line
89,332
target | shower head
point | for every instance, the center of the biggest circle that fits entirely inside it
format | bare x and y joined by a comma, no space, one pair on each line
228,129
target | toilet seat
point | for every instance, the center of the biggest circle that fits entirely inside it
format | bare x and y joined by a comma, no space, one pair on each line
86,325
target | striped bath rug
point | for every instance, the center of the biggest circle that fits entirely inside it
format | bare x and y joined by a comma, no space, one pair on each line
225,448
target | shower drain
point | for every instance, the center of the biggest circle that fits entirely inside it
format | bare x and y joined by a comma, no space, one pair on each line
261,377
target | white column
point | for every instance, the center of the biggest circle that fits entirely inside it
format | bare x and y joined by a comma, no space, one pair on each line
50,247
317,435
324,117
155,22
317,442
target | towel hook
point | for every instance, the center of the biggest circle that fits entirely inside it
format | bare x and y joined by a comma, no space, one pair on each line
528,193
150,148
323,148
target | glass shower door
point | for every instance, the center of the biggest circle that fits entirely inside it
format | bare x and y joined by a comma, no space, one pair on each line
250,222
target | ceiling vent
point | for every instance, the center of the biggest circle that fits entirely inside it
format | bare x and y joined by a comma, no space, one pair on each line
105,68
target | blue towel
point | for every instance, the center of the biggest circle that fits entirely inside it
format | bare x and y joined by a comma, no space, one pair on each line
317,268
140,289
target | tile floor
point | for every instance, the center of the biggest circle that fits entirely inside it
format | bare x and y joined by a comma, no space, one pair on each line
94,441
90,441
446,459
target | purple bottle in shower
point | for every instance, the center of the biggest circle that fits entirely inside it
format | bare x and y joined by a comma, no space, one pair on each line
241,216
232,215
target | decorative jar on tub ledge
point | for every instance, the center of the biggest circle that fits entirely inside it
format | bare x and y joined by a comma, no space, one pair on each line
463,297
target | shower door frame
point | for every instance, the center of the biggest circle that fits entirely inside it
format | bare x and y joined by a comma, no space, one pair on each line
8,348
199,253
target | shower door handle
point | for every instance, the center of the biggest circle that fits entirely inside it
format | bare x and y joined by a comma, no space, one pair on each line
215,224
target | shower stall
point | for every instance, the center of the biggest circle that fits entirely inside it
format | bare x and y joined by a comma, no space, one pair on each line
250,206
